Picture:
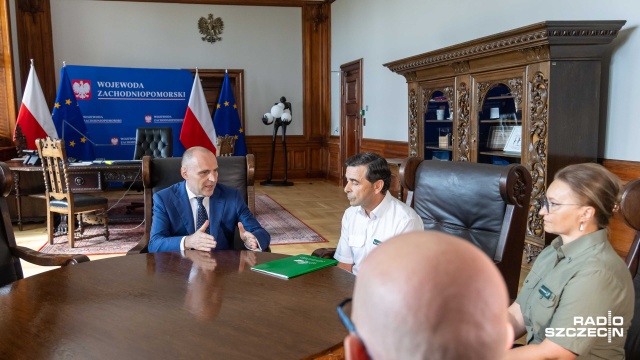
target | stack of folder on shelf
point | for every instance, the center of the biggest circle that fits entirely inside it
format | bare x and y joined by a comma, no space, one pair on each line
293,266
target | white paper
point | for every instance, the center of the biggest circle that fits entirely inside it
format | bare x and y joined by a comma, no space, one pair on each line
514,143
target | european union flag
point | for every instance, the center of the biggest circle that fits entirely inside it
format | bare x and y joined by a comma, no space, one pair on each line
226,119
69,122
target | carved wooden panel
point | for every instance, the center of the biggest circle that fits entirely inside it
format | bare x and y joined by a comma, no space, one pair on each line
537,151
414,150
464,126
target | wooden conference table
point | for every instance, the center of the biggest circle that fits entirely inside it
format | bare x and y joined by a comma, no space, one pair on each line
169,305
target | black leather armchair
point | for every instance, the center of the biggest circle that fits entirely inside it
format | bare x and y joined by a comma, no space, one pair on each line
630,212
484,204
10,252
160,173
150,141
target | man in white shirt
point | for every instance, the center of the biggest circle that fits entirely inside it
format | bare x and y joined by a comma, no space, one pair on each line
374,215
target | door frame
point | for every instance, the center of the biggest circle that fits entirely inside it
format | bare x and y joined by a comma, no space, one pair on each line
356,64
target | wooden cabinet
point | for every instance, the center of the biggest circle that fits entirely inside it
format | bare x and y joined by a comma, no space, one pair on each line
541,81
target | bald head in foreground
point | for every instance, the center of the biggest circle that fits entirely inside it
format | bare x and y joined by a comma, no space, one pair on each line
429,295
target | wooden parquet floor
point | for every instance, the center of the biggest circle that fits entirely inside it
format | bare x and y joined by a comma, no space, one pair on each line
317,203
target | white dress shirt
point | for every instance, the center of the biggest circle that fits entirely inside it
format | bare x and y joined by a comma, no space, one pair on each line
361,234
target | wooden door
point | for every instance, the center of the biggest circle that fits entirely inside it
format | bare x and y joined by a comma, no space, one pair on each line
350,105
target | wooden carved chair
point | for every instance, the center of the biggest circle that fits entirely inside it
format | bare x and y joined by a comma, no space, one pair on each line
59,197
10,252
159,173
630,212
150,141
226,145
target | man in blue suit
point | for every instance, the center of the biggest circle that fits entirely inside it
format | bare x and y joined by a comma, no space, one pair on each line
200,214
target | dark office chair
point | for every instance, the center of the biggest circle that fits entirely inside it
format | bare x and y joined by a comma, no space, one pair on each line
159,173
630,212
150,141
58,193
485,204
10,253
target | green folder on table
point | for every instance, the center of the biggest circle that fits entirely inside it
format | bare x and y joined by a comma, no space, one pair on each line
293,266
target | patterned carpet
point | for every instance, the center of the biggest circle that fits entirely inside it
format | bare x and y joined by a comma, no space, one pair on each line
284,228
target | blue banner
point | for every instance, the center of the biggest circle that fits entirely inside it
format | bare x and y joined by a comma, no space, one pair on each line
116,101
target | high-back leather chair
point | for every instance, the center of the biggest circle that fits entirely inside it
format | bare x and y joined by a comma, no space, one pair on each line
10,252
58,194
484,204
150,141
153,141
630,212
160,173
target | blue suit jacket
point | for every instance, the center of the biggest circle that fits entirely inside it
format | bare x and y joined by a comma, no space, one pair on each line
173,218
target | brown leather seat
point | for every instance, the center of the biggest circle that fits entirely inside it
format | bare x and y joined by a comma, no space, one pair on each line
59,197
160,173
10,252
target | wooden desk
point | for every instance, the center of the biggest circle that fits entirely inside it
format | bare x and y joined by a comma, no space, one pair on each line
168,306
29,180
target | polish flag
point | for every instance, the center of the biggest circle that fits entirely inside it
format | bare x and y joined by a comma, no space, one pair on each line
197,128
34,119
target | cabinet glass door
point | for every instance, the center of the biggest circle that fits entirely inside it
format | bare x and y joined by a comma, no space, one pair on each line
438,126
499,127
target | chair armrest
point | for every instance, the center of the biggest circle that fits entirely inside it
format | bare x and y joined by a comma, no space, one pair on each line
325,253
42,259
407,172
141,248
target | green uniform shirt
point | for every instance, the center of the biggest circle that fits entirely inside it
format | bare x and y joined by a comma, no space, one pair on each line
586,279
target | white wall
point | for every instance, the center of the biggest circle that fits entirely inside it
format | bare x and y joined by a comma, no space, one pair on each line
264,41
380,31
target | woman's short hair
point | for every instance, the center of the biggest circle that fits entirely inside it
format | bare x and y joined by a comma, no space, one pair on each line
594,186
377,168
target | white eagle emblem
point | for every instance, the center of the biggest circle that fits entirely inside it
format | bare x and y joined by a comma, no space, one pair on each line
148,119
82,89
114,141
211,28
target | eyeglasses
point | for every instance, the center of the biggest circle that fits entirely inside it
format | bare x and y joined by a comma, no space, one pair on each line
552,205
346,321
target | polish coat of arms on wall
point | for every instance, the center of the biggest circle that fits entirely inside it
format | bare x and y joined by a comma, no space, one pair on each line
211,28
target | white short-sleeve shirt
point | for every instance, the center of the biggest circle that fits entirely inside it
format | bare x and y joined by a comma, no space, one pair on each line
361,234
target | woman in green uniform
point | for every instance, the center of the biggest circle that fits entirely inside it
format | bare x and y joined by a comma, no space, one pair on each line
577,301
